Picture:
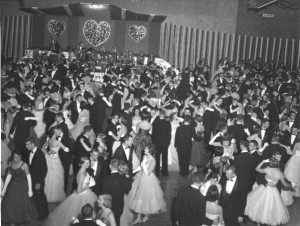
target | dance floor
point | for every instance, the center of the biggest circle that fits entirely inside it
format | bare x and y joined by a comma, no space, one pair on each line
170,185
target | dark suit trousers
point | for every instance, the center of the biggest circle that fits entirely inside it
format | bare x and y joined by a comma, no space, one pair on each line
229,217
40,201
184,156
20,146
164,152
117,218
66,162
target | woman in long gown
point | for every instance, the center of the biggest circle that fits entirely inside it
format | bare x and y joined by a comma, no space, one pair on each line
143,138
38,112
264,203
82,121
292,170
71,207
198,147
213,210
17,190
54,181
172,153
146,196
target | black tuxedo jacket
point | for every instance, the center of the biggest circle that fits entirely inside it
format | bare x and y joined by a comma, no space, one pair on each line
259,112
49,118
20,127
66,141
221,84
190,207
93,116
183,137
117,186
79,150
111,128
245,164
38,82
128,117
86,223
38,168
233,204
161,133
237,132
286,139
120,155
267,137
74,112
99,176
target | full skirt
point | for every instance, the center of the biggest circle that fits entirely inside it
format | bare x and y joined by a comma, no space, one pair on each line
146,196
265,205
16,207
54,181
292,173
71,207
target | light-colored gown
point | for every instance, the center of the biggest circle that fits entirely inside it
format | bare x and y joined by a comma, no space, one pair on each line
172,153
71,207
146,196
83,120
54,181
40,127
264,203
292,172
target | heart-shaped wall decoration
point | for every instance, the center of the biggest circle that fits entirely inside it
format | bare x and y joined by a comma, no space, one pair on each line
56,28
137,33
96,33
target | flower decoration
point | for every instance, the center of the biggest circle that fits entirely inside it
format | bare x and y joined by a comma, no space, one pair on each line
96,33
137,33
56,28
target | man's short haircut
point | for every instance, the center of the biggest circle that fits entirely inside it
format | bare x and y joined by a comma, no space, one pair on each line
87,211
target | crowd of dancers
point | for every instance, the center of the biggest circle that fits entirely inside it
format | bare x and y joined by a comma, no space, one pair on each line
235,130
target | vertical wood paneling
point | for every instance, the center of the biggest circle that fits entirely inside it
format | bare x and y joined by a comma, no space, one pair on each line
215,51
221,41
204,44
244,47
232,46
267,50
286,51
238,49
255,48
226,45
292,53
250,47
273,49
209,47
278,51
261,47
298,58
188,47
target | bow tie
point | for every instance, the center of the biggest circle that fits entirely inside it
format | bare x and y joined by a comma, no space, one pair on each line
292,121
230,180
59,137
263,129
32,152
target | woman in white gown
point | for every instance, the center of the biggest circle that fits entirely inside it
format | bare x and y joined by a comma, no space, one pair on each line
38,112
264,203
172,153
292,170
54,181
82,121
71,207
213,210
146,196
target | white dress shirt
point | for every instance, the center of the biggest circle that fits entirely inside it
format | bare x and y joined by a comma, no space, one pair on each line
263,132
230,184
32,155
94,166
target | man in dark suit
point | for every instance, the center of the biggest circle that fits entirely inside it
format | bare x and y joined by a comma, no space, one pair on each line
245,165
93,113
124,152
20,128
190,205
37,79
117,185
87,215
238,131
260,110
208,122
63,136
102,103
74,108
161,138
126,114
82,147
231,198
98,171
38,171
265,134
183,144
50,114
112,132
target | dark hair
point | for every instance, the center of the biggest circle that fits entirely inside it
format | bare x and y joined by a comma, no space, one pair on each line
114,163
151,148
274,163
145,115
60,114
123,167
254,142
212,193
52,131
125,138
87,211
30,139
198,178
83,105
87,129
232,168
212,175
82,160
245,143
